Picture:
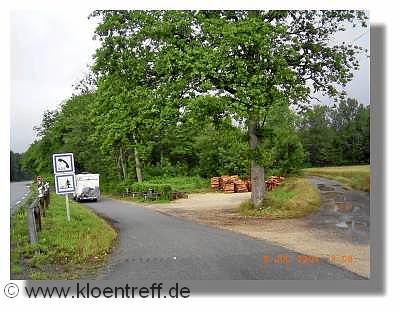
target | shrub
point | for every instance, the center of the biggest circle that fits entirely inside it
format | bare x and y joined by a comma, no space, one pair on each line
165,190
122,186
184,183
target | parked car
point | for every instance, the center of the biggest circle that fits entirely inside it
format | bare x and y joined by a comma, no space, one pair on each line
87,187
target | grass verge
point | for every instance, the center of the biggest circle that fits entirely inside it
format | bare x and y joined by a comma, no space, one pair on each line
352,177
296,197
66,250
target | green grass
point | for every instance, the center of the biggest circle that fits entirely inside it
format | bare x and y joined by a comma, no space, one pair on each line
296,197
19,241
352,177
184,184
65,250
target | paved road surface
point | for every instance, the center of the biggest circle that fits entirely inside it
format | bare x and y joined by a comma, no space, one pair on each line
161,247
18,192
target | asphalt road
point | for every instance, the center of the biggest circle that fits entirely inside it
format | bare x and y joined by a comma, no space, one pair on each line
156,246
18,192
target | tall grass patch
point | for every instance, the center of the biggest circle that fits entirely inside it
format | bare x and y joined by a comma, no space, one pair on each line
194,184
354,177
296,197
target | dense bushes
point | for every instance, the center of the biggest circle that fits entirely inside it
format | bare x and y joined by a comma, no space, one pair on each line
165,190
165,186
184,184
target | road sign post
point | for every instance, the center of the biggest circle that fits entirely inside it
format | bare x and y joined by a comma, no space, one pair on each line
67,207
65,184
64,174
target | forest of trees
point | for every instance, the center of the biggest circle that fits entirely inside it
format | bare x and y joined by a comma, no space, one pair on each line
17,172
209,93
325,135
335,136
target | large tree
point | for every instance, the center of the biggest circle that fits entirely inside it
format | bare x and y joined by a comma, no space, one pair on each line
69,130
253,59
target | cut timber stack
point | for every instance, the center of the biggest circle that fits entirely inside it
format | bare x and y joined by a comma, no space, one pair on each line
229,184
225,179
229,188
273,182
233,184
248,185
215,183
234,178
240,187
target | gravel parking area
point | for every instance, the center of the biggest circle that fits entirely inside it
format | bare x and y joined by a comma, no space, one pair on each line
339,232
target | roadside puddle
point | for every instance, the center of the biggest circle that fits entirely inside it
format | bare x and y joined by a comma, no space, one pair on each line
345,211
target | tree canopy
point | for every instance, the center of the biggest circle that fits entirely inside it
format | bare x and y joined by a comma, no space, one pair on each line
253,59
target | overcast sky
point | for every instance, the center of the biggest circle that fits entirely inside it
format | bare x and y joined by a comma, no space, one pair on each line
50,51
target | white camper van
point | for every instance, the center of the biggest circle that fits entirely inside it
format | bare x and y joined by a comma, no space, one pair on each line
87,187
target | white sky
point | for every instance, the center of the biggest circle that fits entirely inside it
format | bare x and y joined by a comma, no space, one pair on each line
50,51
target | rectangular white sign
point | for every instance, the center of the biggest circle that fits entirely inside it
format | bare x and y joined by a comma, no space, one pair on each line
65,183
63,163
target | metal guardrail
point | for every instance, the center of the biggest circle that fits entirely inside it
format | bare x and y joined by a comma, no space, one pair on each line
36,211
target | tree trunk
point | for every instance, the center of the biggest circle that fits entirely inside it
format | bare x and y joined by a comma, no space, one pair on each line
119,169
137,162
123,164
257,172
137,165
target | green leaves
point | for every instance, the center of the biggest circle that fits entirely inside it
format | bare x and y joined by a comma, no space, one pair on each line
177,87
336,135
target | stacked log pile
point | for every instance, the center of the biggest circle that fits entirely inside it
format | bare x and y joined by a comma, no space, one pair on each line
229,188
215,184
248,185
240,187
273,182
224,180
233,184
229,184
